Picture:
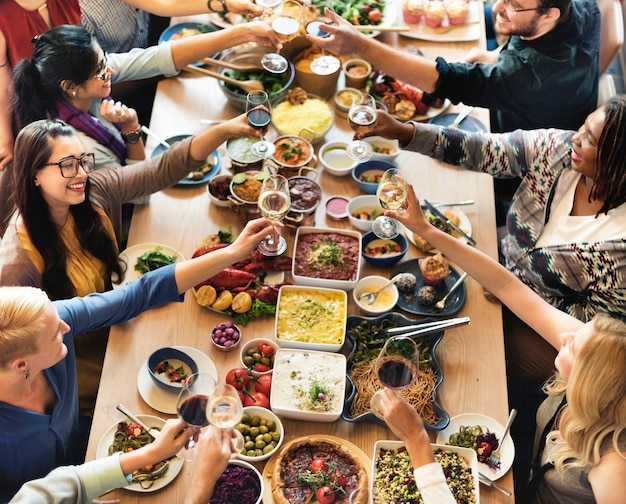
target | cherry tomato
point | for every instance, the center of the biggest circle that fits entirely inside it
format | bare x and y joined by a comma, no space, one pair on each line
375,15
134,430
337,478
238,378
260,367
318,465
325,495
257,399
265,349
263,384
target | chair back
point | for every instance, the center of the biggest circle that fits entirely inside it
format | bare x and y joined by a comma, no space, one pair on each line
611,32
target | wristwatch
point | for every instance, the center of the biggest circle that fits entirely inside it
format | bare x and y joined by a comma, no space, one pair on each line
132,137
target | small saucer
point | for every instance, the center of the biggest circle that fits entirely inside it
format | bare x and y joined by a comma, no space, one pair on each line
162,400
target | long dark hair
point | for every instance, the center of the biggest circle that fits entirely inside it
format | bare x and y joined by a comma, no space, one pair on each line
609,182
63,53
32,151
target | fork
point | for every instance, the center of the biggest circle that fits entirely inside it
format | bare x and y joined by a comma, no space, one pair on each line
441,304
495,454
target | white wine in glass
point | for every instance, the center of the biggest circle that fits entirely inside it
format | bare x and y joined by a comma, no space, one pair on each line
224,411
361,117
274,203
286,26
391,193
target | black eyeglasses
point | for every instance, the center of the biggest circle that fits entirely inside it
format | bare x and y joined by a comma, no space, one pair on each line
507,4
69,165
104,73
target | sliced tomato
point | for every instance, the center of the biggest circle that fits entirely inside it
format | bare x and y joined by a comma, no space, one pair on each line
375,15
325,495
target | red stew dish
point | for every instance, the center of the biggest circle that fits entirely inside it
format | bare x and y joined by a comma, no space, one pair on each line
327,255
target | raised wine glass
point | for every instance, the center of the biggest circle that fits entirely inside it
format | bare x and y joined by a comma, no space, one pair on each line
274,203
361,117
259,114
191,406
396,367
268,7
224,411
286,25
325,64
391,194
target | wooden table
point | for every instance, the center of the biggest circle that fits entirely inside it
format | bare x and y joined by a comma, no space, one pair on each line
472,357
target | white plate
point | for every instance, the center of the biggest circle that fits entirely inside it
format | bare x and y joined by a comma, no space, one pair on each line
176,464
131,254
464,33
507,450
464,224
160,399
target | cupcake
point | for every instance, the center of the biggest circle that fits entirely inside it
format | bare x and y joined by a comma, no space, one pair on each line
412,11
434,269
434,12
457,11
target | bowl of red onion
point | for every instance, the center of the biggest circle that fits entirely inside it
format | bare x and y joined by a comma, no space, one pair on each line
226,336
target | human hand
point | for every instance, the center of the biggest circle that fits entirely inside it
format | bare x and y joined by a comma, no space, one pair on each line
343,39
237,126
389,127
410,214
262,33
246,7
255,231
117,112
477,55
6,153
174,435
400,416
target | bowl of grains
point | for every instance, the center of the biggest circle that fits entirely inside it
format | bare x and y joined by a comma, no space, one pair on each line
303,114
245,188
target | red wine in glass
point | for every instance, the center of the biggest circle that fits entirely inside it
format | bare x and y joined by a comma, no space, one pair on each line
259,119
396,373
193,410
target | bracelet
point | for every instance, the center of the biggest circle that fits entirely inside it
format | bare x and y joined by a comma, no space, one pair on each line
222,2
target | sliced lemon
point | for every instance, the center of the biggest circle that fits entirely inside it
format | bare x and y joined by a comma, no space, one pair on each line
240,178
242,302
206,295
223,301
262,175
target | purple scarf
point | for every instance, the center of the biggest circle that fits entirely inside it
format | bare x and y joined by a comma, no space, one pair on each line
91,126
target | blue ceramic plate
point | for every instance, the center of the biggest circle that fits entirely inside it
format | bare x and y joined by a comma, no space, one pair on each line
408,300
172,30
350,347
214,159
470,123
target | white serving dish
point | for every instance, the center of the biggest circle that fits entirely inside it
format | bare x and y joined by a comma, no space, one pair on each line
333,157
379,307
329,283
392,145
247,465
367,202
264,414
318,337
468,454
297,368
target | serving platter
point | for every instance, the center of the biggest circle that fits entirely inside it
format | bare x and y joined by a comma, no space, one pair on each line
507,450
408,301
470,123
464,223
466,32
350,348
132,254
176,463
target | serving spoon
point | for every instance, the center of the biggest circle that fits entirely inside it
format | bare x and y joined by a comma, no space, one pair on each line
370,297
247,85
233,66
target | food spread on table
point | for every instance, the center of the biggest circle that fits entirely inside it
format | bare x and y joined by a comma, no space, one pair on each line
154,259
479,439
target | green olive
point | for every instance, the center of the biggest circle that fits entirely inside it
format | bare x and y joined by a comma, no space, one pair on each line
255,421
254,432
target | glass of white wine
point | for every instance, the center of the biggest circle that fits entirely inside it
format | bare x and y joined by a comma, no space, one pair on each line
391,193
274,203
286,26
224,411
361,117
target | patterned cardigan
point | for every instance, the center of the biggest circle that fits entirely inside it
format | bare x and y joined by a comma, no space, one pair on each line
581,279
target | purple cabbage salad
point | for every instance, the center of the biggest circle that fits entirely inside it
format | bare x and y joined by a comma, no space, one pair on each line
236,485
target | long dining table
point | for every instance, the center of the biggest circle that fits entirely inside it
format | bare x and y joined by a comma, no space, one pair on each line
471,356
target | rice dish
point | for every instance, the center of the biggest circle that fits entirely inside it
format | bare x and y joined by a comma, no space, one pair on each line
313,114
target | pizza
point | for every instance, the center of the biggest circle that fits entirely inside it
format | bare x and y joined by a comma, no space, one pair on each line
293,479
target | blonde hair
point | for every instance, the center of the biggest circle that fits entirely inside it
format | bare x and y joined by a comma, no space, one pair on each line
21,321
596,397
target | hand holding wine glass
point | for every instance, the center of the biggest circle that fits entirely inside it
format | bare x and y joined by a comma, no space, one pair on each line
191,406
361,117
274,203
286,26
258,112
397,366
224,411
392,193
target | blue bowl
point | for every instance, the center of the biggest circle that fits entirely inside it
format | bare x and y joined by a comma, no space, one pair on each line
383,261
373,165
175,358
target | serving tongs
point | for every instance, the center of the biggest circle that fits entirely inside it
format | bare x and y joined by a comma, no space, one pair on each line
247,85
421,329
242,67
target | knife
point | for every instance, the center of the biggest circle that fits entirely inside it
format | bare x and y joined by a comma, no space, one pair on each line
461,116
150,430
439,214
486,481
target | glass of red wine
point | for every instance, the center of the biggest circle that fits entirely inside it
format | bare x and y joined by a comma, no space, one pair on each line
259,113
192,407
396,367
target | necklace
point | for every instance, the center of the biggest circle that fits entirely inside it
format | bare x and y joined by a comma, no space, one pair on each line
42,7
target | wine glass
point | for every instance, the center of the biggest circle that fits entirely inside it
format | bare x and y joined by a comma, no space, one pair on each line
286,26
359,496
224,411
325,64
258,112
191,406
274,203
396,367
361,116
391,193
268,7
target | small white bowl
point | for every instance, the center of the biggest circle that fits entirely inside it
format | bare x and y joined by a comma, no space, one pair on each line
385,301
225,348
333,157
223,178
247,465
254,344
362,205
270,416
384,143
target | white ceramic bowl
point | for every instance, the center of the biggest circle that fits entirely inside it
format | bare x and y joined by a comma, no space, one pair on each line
385,301
333,157
298,371
222,179
304,120
225,326
364,206
383,143
269,416
247,465
253,344
329,281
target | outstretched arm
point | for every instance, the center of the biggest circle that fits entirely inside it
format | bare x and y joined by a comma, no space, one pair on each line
6,108
168,8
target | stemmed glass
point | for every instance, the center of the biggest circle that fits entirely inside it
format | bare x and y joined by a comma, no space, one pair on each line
224,411
361,117
286,26
396,367
359,496
325,64
259,114
274,203
391,193
191,406
268,7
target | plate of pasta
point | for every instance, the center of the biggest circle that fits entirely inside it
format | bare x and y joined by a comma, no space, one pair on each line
119,438
365,337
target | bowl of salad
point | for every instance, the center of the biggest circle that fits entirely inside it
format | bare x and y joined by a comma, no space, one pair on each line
276,85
